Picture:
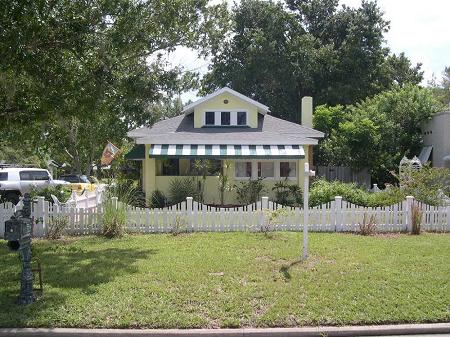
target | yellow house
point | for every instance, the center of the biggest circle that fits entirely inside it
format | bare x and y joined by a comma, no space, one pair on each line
236,134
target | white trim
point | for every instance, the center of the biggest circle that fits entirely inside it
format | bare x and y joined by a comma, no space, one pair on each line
218,117
190,107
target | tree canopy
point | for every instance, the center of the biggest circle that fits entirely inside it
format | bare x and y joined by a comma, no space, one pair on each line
74,74
377,132
279,52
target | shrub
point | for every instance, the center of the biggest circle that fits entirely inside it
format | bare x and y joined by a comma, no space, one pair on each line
287,194
368,226
114,219
250,191
127,191
60,191
180,226
56,227
181,188
323,191
416,219
158,199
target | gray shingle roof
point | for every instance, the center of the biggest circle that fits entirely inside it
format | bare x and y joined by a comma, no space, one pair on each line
270,131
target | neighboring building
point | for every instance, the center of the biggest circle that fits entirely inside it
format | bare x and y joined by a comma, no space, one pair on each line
436,141
225,125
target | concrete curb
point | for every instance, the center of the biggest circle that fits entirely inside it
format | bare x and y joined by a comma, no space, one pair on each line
345,331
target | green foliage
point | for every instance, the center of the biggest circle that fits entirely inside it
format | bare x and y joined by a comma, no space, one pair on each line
56,227
158,199
224,181
287,194
323,191
181,188
377,132
82,73
441,90
114,219
428,185
127,191
60,191
277,54
250,191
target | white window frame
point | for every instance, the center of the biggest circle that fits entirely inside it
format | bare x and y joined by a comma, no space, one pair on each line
276,176
218,117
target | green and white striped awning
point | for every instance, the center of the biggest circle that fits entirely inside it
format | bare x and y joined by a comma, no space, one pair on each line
227,151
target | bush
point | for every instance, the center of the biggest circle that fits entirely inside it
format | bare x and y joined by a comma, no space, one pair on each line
158,199
114,219
323,191
56,227
127,191
250,191
416,219
368,226
287,194
60,191
181,188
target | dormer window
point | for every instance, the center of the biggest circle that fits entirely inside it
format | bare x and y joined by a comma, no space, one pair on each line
225,118
209,117
241,118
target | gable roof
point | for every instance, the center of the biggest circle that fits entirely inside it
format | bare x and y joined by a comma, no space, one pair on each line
270,131
263,109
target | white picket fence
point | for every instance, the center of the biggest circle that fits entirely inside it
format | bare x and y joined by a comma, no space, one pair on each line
335,216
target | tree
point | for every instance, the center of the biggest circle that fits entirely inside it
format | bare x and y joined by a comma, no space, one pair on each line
442,89
278,54
80,73
377,132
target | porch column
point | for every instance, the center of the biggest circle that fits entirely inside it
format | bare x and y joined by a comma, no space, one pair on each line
148,173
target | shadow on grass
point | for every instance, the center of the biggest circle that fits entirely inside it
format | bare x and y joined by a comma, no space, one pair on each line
64,267
85,269
284,270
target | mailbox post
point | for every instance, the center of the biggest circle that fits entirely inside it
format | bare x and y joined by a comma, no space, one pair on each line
308,174
18,233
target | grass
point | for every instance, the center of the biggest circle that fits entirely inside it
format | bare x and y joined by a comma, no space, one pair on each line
232,280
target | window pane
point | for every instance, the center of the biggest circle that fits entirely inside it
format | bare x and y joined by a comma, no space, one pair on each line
288,169
225,118
3,176
170,167
211,166
241,118
266,169
243,169
33,175
209,117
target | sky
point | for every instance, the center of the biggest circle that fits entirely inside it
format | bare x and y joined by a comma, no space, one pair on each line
420,29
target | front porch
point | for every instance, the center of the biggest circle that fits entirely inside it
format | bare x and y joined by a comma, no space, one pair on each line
160,173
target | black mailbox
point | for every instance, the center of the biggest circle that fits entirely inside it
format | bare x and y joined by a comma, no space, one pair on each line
13,233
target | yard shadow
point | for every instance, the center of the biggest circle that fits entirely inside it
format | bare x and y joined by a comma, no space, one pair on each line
284,270
85,269
64,267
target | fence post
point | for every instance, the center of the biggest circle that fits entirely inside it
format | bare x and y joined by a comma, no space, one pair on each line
114,201
338,213
264,202
40,217
189,201
408,220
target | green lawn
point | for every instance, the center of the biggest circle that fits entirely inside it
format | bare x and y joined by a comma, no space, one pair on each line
233,280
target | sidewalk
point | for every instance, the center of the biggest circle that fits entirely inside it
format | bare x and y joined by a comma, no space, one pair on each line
443,329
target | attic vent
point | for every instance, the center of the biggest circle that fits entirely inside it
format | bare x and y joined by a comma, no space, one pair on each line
225,101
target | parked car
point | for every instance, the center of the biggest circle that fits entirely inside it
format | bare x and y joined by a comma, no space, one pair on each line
15,181
78,183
